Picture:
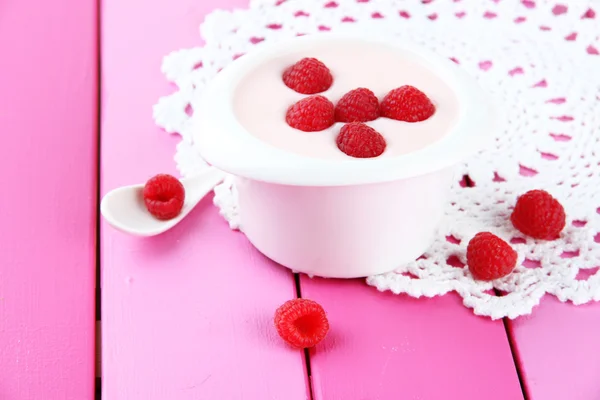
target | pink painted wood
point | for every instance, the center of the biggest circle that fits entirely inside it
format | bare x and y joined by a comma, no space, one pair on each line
48,115
188,314
557,349
385,346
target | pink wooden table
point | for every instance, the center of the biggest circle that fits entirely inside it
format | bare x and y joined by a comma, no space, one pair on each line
188,315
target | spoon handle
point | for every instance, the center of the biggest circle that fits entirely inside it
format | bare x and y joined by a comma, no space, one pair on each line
202,183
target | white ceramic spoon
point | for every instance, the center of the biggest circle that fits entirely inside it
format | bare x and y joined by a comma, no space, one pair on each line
124,208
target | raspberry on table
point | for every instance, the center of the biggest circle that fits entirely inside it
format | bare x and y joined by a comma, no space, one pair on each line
539,215
308,76
489,257
358,105
311,114
302,323
164,196
408,104
361,141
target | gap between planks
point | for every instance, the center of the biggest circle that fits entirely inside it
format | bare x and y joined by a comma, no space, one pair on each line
469,184
98,294
306,352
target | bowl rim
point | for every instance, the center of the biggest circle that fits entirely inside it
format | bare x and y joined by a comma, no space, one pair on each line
224,143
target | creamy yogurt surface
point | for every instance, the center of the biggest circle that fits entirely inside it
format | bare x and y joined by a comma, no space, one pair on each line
261,99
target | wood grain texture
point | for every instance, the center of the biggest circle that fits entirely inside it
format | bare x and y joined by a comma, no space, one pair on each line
188,314
48,115
385,346
557,348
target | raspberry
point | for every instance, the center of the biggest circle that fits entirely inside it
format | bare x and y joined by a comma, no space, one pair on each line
361,141
407,103
490,257
311,114
308,76
164,196
539,215
301,323
358,105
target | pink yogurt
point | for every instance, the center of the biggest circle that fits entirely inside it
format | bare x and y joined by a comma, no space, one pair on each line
261,99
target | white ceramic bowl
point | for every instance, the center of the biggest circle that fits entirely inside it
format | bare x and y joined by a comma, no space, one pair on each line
332,218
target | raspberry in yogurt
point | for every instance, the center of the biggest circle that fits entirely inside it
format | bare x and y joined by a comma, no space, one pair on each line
303,101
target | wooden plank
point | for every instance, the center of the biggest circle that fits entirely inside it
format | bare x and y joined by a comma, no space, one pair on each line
188,314
386,346
557,347
48,115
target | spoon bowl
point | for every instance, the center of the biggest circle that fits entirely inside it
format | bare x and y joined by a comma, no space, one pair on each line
124,208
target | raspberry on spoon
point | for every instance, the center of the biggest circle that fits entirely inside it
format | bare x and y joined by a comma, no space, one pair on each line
311,114
408,104
301,323
490,257
164,196
308,76
360,141
358,105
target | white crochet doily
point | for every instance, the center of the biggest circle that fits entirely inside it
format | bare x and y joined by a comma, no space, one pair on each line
539,58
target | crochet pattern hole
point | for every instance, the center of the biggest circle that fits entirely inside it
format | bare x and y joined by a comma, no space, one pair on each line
255,40
526,171
584,273
569,254
498,178
433,16
597,238
404,14
579,224
460,14
559,9
409,275
520,20
529,263
301,14
274,26
331,4
592,50
571,36
348,19
541,84
548,156
466,181
515,71
455,262
452,239
589,14
518,240
563,118
485,65
558,100
376,15
189,110
560,137
528,3
324,28
198,65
